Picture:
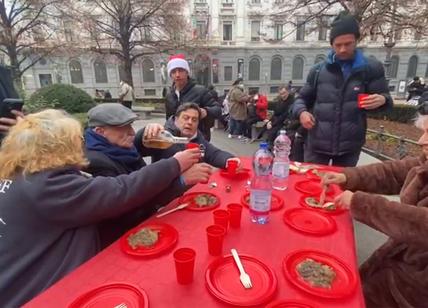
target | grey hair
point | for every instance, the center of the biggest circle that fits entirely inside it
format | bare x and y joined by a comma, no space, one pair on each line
420,120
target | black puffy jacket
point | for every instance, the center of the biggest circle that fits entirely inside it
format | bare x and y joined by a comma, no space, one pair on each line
340,126
193,93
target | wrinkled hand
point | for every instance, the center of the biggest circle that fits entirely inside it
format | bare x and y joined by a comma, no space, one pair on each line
269,125
152,130
373,101
204,113
197,173
187,158
307,120
344,200
6,123
333,178
235,159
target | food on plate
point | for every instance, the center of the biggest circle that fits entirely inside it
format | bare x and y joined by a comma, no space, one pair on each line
314,202
316,274
204,200
144,237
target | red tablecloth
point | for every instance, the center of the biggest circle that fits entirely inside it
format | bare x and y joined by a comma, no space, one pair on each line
269,243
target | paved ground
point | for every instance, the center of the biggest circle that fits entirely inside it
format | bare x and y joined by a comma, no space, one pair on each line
367,239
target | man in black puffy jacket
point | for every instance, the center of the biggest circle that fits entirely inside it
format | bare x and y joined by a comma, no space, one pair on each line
185,90
328,103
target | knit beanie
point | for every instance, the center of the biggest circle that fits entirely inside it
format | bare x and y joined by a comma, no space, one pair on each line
344,24
177,61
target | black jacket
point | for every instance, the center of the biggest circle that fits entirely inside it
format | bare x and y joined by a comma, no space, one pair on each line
340,126
282,110
193,93
213,156
111,229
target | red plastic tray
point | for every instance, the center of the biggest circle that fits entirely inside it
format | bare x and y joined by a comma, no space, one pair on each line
310,221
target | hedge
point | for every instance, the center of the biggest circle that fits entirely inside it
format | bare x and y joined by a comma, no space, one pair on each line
399,113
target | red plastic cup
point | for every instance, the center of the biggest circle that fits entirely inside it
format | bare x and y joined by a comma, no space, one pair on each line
235,211
221,217
232,165
361,97
184,264
215,236
192,145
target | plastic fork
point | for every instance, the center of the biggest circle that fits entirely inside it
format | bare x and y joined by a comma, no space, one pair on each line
180,207
244,277
123,305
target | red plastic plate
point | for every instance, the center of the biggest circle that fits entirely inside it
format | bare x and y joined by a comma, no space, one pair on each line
222,280
112,295
276,202
288,304
327,199
310,222
241,174
190,197
313,188
168,237
343,285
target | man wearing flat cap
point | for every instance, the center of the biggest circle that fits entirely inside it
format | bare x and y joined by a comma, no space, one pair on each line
328,103
185,90
110,150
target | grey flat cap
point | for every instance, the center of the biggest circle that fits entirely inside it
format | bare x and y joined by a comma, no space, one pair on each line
110,114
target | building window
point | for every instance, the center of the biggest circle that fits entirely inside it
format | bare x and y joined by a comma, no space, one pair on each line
227,31
149,92
255,1
279,31
320,58
274,89
418,35
122,73
45,80
253,90
297,72
426,72
201,29
300,30
276,68
75,71
100,70
393,67
255,30
413,66
254,69
228,73
68,30
323,24
398,34
148,71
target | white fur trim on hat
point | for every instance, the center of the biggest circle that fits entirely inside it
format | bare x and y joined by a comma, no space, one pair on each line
177,63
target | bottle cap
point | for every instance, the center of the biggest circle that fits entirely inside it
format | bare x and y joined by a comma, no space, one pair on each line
263,145
282,131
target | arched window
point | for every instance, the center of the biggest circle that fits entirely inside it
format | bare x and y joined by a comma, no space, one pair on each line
393,67
100,70
297,72
320,58
75,71
276,68
413,66
254,69
148,71
426,72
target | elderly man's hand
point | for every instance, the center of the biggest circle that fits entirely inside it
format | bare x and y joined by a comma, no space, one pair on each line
269,125
197,173
307,120
152,130
344,200
187,158
204,113
373,101
6,123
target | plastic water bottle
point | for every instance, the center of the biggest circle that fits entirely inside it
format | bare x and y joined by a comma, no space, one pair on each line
281,162
261,185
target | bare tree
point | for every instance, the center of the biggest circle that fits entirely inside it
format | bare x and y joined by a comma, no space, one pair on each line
130,29
26,26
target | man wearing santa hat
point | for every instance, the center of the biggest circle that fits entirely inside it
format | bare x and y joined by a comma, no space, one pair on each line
185,90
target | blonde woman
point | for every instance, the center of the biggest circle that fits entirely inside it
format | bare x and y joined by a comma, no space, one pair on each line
49,210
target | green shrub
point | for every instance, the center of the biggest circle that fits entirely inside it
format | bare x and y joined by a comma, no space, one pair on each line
399,113
60,96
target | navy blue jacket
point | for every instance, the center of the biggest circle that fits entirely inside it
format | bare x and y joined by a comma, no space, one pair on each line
340,126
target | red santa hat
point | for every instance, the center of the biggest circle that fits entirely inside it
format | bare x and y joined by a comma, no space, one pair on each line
177,61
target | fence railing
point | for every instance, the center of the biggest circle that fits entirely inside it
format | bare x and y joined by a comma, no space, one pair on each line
381,138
